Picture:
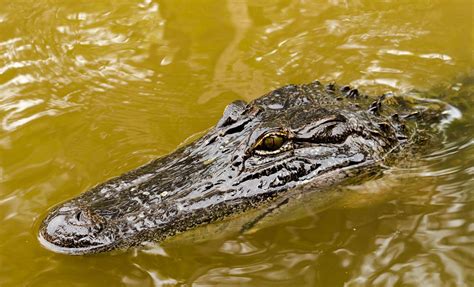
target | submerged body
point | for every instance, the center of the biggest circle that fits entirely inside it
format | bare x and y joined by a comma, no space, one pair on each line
298,139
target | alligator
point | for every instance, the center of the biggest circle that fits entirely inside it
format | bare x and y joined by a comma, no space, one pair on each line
296,139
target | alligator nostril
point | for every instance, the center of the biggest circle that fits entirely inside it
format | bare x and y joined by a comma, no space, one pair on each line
79,216
85,218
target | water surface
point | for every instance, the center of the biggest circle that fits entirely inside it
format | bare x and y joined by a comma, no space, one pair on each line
91,89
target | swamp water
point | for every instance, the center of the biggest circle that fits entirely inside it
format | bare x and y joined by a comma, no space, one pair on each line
91,89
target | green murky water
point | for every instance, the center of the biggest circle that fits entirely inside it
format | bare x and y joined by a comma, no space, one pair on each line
91,89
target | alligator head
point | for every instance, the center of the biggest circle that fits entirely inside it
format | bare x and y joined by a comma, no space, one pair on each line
298,135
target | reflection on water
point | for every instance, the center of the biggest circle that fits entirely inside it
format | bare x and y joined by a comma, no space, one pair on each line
89,90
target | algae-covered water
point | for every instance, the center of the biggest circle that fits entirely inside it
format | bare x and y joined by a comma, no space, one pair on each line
91,89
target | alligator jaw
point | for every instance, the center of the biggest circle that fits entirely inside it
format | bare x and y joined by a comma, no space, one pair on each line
136,207
73,250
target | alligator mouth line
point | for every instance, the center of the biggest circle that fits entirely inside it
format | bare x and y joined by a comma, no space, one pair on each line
73,250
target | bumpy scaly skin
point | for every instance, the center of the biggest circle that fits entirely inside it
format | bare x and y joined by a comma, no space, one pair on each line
329,133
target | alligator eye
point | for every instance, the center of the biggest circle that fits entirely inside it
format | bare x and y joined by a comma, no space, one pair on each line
271,143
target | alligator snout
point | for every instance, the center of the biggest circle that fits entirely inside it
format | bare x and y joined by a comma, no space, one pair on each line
71,227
